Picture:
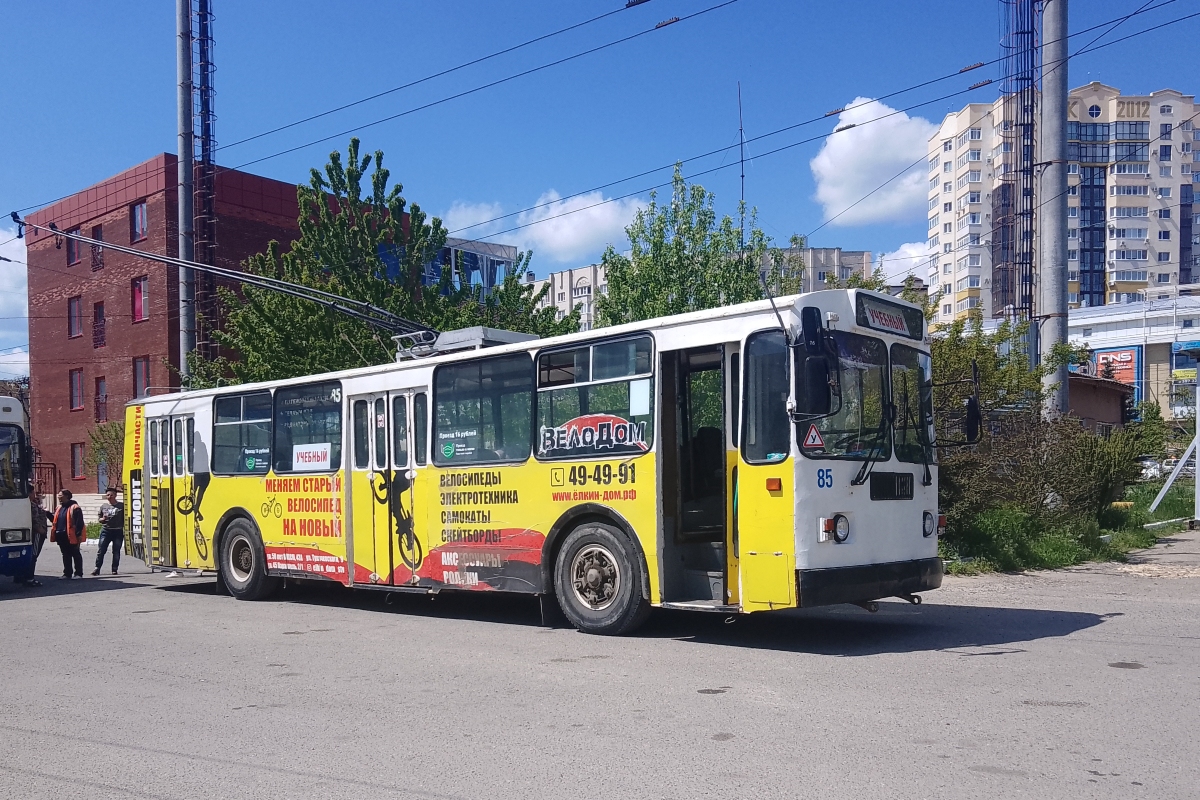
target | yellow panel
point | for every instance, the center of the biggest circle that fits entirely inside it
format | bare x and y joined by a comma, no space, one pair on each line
766,538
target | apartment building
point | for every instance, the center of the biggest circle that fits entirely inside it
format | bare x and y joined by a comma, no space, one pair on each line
1131,226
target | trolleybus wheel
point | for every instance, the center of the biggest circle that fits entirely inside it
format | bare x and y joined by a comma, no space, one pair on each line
598,580
243,562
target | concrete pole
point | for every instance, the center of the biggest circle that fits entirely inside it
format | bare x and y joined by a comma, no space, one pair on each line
1052,225
187,248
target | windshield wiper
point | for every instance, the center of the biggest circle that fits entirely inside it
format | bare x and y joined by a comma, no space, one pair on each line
910,415
876,452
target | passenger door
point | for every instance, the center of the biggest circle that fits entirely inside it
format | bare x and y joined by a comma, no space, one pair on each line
162,504
370,475
409,459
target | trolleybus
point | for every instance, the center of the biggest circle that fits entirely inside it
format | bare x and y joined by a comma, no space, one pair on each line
19,544
761,456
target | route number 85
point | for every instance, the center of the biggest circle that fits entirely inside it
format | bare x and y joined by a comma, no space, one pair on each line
825,479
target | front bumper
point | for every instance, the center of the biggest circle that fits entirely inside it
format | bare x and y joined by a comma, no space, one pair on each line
17,560
825,587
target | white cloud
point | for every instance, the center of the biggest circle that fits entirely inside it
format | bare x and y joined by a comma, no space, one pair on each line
575,229
910,258
853,163
14,319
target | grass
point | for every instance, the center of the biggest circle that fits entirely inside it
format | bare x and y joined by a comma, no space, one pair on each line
1009,540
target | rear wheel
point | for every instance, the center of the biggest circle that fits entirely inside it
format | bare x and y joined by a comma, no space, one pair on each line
598,580
243,562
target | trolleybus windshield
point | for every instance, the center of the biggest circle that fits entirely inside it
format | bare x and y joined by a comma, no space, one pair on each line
912,394
12,467
859,428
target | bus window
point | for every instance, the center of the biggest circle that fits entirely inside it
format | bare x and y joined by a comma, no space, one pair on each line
242,434
484,411
152,432
191,445
859,429
380,433
308,428
362,433
399,432
766,430
912,394
734,394
177,448
596,400
12,469
421,428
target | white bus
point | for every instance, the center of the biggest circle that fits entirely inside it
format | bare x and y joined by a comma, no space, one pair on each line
18,545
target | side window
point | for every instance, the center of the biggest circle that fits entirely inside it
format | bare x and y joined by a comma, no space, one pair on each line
152,433
421,428
766,430
362,434
191,445
307,435
484,411
735,393
400,432
596,400
380,420
242,434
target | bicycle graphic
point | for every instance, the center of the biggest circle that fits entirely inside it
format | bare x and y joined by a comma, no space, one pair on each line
392,495
186,505
271,506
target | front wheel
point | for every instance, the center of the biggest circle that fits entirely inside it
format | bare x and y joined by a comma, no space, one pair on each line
243,562
598,580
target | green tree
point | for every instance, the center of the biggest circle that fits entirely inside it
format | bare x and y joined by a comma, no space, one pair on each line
682,258
360,239
106,445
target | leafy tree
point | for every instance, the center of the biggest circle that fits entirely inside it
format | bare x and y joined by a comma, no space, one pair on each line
106,445
682,259
360,239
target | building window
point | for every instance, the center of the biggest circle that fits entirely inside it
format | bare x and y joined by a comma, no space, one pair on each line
947,207
947,227
973,197
137,222
1073,211
1164,257
562,296
98,325
76,382
1094,112
97,250
947,166
947,309
1164,213
1164,191
976,134
1164,172
1164,152
1164,236
1187,323
77,461
1073,190
1072,169
947,248
1164,110
74,317
1164,131
947,146
1072,255
139,302
1164,277
101,400
947,187
74,249
141,376
1087,332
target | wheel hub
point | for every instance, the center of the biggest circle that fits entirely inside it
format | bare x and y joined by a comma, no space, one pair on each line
595,577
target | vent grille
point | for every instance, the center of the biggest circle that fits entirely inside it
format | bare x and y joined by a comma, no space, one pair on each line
891,486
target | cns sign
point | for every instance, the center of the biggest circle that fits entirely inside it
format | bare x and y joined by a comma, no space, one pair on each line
1124,364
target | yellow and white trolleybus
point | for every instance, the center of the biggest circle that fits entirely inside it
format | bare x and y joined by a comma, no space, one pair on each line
740,459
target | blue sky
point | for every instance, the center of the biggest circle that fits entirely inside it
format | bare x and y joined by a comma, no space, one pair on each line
89,90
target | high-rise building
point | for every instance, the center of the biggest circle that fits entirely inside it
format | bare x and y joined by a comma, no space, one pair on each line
1131,228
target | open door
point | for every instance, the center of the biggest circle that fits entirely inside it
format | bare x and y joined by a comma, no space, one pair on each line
764,489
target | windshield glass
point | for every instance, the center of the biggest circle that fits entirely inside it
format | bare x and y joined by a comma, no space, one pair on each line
12,466
858,428
912,394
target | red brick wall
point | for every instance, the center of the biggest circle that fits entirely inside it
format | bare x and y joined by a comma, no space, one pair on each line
247,220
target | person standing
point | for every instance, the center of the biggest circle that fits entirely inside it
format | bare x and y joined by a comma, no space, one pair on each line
69,531
112,518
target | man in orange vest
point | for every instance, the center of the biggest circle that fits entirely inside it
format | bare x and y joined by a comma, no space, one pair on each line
69,531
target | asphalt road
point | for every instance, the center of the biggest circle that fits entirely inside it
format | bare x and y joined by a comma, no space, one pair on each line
1074,684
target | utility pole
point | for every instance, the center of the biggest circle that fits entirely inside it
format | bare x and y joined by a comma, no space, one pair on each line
1052,266
187,278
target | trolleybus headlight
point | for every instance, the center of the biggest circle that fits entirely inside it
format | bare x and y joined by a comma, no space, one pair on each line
841,528
928,525
15,535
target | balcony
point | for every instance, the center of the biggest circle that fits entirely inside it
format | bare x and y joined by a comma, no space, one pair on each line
101,408
97,258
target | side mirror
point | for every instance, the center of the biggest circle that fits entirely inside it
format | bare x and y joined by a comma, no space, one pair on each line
973,421
816,396
810,328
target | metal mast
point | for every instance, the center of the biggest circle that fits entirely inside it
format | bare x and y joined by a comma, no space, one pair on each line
183,68
1052,264
1013,239
205,186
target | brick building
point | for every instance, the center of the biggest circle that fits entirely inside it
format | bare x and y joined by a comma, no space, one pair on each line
103,325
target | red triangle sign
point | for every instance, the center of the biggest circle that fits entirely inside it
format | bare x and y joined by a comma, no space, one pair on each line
813,439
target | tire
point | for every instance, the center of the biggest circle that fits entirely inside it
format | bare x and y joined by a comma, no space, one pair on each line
598,579
243,563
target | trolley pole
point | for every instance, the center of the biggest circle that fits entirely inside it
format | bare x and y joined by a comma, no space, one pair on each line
187,250
1052,266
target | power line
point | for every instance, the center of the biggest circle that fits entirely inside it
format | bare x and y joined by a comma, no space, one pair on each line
578,55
